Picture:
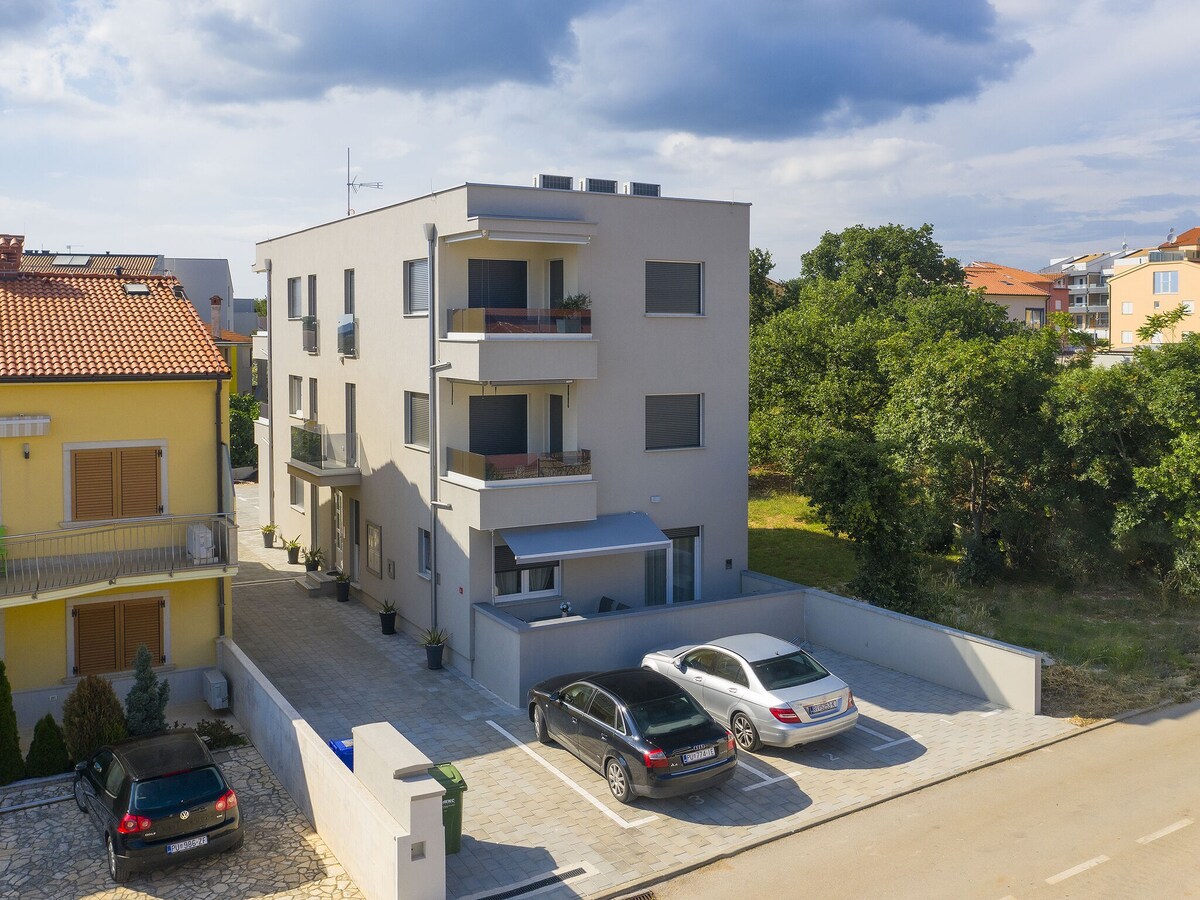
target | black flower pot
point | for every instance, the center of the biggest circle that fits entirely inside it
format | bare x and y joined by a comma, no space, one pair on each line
310,565
268,539
293,555
433,655
343,591
387,621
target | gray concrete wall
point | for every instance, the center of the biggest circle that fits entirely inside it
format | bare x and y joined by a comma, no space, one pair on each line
186,687
368,841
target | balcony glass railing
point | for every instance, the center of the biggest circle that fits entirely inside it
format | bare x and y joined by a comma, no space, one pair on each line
96,554
308,334
347,335
509,466
314,445
520,321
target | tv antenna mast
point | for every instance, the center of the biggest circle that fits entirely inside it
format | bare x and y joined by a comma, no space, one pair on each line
352,182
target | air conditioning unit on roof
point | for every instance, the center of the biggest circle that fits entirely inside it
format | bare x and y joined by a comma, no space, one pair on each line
554,182
598,185
643,189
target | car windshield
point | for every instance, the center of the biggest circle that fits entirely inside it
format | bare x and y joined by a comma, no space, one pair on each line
667,715
781,672
172,792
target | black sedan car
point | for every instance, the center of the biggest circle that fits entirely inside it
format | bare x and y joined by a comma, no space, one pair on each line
158,800
637,728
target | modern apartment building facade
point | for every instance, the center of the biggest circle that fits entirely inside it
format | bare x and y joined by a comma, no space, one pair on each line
498,439
1149,282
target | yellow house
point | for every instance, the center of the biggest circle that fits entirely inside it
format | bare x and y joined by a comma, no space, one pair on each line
1155,281
115,495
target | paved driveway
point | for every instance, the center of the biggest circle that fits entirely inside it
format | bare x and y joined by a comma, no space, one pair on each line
532,810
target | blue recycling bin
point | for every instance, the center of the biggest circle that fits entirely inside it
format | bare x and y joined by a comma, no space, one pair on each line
344,750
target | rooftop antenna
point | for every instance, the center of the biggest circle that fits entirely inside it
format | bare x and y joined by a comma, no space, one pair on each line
353,182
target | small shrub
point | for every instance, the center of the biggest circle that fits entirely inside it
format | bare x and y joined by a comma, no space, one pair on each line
219,735
48,750
92,717
147,699
981,561
12,767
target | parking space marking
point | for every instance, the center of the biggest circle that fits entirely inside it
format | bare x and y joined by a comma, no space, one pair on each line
1075,870
1163,832
566,779
539,884
775,780
872,732
903,740
742,764
994,712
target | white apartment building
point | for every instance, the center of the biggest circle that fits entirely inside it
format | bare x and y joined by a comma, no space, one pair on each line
1087,283
453,426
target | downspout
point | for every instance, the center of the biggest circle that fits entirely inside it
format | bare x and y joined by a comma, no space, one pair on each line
431,243
271,417
220,510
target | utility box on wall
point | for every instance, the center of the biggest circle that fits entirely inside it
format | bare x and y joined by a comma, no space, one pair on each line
216,690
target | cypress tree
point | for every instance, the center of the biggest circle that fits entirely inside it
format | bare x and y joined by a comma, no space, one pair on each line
48,751
12,767
92,717
147,699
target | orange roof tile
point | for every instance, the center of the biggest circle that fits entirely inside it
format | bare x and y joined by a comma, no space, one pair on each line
1189,238
997,279
87,327
96,263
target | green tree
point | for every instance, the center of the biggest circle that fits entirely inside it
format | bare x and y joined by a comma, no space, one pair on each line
767,297
243,410
146,701
92,717
12,767
1158,323
48,750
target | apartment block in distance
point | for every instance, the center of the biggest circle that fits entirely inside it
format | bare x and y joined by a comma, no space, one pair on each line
1153,281
115,493
533,398
1026,296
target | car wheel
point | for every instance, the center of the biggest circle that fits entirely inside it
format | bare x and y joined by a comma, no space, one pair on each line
237,845
80,800
117,867
539,725
744,732
618,781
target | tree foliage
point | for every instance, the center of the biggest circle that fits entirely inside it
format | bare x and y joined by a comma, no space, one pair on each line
243,410
92,717
12,767
48,750
147,699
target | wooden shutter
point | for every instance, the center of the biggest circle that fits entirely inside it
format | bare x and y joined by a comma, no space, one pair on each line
138,478
673,287
92,494
141,624
96,638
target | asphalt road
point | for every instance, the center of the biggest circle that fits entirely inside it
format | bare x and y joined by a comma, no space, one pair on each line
1111,813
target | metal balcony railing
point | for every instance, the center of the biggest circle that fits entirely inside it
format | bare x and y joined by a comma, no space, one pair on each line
98,554
509,466
308,334
314,445
520,321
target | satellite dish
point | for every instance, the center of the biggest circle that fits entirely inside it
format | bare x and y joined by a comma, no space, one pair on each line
1171,236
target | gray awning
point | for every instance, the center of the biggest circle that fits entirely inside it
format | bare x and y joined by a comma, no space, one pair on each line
605,535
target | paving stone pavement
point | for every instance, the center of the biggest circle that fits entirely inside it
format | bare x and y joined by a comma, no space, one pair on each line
520,821
54,852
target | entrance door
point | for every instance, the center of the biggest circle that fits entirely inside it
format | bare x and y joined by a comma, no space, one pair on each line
352,535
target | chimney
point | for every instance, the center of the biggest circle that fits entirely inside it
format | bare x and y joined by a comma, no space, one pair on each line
216,316
11,247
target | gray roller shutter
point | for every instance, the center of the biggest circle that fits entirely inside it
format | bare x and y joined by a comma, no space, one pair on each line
499,424
673,287
672,421
418,419
418,286
497,283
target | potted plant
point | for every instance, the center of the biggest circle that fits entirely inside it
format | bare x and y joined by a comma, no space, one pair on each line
268,533
293,549
387,617
572,305
343,586
314,558
434,641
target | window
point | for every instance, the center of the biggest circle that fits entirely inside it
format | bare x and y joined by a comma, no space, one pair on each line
416,286
514,581
604,711
424,567
107,634
295,395
260,372
351,425
674,288
674,576
116,483
293,298
348,292
1127,308
312,399
1189,306
578,695
554,282
497,283
1126,337
416,419
673,421
374,549
296,492
312,295
1166,282
1035,318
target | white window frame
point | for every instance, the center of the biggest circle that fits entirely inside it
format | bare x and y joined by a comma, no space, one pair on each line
1126,337
1127,307
525,593
1171,279
293,298
1190,306
296,396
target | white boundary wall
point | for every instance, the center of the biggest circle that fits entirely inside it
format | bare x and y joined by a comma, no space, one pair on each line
381,854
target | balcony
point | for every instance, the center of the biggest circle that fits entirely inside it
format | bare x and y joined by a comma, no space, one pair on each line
519,322
308,334
51,565
323,458
347,335
518,489
500,345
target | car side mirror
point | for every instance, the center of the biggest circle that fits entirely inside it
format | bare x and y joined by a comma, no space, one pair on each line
681,665
554,697
80,767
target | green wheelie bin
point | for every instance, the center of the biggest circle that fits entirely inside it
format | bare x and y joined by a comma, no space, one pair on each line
452,804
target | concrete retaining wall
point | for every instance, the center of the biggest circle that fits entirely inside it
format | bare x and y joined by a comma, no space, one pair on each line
375,849
186,687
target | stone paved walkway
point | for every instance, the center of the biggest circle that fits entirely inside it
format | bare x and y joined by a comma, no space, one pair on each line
330,660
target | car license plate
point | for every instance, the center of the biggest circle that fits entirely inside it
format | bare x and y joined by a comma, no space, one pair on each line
188,845
821,707
697,755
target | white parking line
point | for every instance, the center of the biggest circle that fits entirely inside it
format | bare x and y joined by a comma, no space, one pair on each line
553,880
903,740
994,712
742,764
1163,832
775,780
1082,867
572,785
872,732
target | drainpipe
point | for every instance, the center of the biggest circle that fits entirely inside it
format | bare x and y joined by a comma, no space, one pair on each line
271,417
220,509
431,243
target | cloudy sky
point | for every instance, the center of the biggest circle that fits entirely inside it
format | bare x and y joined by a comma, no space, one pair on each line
1022,129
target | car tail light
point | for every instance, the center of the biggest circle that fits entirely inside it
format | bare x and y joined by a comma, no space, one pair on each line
131,824
729,742
655,759
228,801
849,699
785,714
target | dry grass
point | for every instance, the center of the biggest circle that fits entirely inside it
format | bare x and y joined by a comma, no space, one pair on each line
1085,694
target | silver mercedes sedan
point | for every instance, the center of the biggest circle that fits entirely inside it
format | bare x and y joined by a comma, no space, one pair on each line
768,690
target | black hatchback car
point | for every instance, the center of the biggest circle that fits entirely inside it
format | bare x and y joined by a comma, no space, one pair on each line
158,800
637,728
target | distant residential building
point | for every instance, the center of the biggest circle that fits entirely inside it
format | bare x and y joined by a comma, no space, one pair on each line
1155,281
1026,296
1087,278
